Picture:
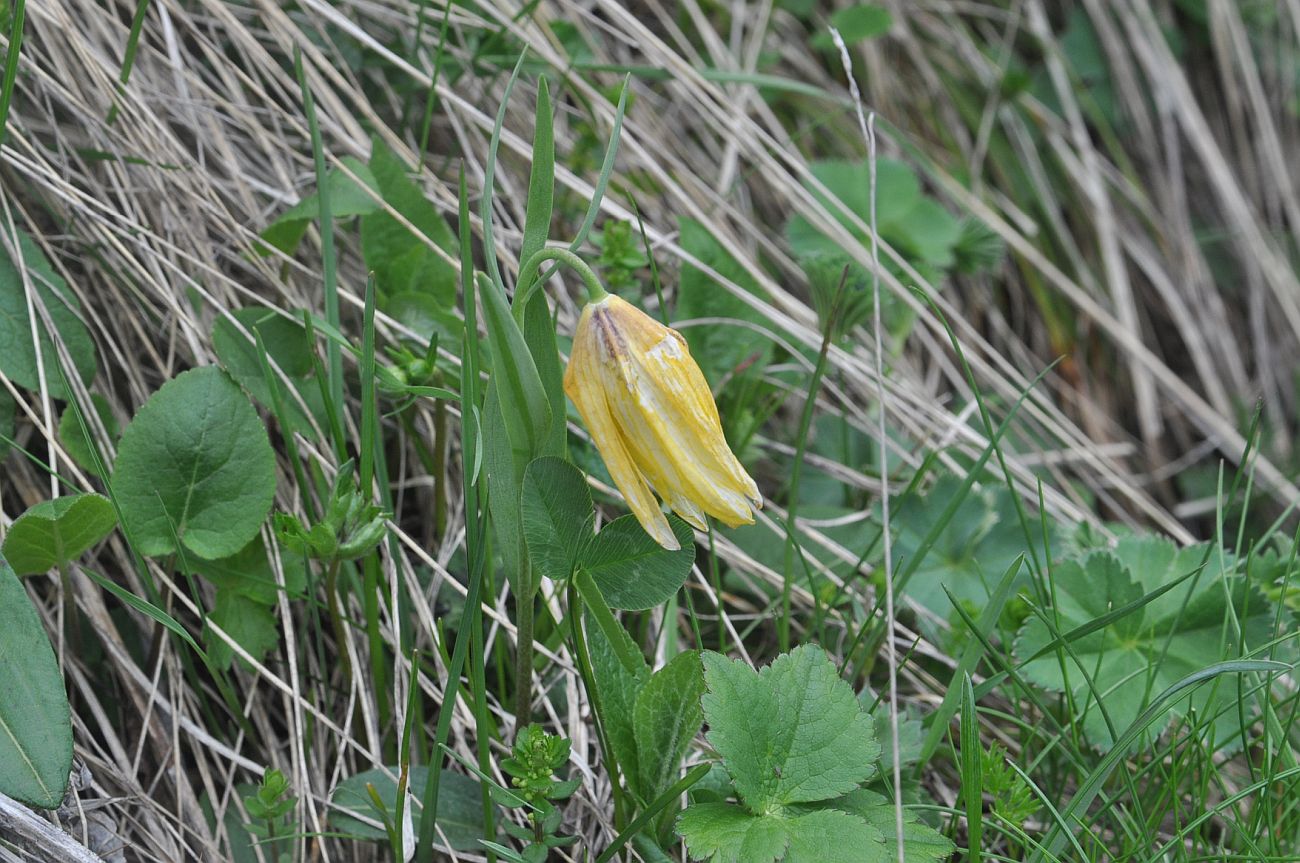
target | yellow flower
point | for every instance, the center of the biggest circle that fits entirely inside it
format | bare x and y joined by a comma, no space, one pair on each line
653,419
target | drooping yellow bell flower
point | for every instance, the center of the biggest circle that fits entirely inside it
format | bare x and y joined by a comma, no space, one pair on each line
652,417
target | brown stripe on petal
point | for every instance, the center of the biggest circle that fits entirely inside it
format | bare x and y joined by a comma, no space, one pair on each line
613,341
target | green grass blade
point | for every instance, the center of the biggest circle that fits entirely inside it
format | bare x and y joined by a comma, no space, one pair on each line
1061,833
11,63
329,261
971,783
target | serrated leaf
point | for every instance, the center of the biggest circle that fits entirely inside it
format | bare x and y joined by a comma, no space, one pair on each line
347,198
401,260
35,723
251,624
633,571
556,515
1134,658
723,833
792,733
194,463
920,841
58,531
975,547
460,805
666,718
74,439
17,350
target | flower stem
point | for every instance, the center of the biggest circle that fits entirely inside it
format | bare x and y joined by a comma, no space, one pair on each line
605,619
529,281
524,598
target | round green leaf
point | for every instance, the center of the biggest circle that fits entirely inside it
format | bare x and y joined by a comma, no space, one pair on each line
74,439
17,350
195,463
55,532
286,344
557,516
633,571
35,724
8,410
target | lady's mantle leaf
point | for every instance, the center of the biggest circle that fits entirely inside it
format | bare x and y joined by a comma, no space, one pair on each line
58,531
35,726
195,463
723,833
1135,657
792,733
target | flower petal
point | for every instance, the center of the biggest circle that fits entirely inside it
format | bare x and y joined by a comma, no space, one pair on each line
583,384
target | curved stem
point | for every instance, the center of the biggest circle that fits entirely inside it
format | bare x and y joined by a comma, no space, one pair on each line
529,281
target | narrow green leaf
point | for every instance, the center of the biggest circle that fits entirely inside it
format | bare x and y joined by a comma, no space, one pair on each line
525,408
541,180
972,787
148,609
666,718
1072,816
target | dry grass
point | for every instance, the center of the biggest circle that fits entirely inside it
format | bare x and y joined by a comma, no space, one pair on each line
1165,346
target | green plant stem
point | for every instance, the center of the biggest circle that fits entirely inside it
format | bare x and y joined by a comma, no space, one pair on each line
329,262
647,815
583,657
605,619
529,281
128,57
439,467
524,599
336,619
792,504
